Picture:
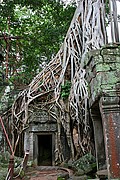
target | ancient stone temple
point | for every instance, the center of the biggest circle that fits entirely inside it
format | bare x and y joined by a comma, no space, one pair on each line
41,139
103,76
82,82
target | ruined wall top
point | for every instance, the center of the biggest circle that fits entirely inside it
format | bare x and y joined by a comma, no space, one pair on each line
103,72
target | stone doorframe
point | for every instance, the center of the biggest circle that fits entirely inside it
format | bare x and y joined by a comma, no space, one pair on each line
110,112
34,146
98,137
53,144
106,123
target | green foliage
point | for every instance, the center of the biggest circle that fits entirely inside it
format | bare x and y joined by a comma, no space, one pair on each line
22,173
107,11
41,26
60,178
107,7
65,89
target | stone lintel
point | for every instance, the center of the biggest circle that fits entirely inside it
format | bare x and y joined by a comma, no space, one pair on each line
43,127
110,104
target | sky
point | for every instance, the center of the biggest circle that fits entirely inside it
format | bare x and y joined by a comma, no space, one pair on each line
109,27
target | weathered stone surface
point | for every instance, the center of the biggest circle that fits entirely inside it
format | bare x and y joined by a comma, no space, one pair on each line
86,163
103,72
80,172
103,76
102,173
43,127
79,177
42,124
99,138
40,116
110,111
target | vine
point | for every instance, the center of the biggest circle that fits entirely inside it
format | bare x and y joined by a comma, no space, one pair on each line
52,80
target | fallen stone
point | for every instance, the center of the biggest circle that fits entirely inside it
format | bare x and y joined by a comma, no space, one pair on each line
80,172
79,177
102,173
87,163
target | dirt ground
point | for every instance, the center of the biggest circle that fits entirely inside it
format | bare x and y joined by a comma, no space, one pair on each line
43,174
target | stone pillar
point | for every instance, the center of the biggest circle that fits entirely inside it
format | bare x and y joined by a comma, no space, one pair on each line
26,141
110,112
31,146
99,139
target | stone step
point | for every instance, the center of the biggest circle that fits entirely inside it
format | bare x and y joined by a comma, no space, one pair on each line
102,173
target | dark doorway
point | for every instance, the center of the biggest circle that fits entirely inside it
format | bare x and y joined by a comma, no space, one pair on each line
44,150
99,138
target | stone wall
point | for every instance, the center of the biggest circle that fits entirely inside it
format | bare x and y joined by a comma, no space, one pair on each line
103,77
103,72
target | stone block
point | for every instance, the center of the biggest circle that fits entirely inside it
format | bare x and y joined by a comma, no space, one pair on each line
102,72
80,172
43,127
79,177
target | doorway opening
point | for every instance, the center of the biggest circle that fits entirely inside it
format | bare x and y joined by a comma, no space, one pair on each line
45,150
99,137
